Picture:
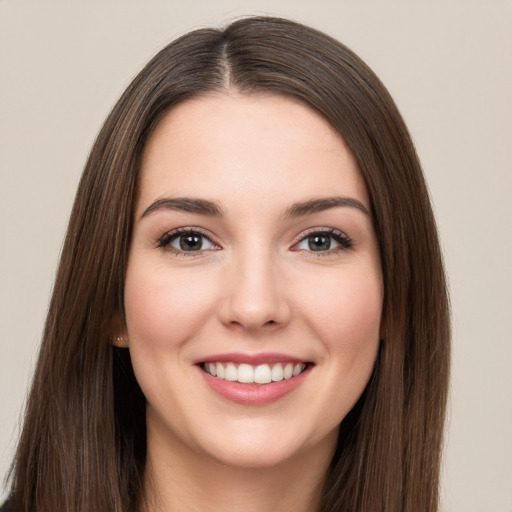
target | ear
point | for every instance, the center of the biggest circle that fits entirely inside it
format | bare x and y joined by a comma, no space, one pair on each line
120,334
121,341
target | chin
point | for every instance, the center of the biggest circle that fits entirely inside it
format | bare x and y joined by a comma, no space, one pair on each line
252,456
262,448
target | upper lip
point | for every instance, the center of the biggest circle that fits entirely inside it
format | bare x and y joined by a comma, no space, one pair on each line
252,359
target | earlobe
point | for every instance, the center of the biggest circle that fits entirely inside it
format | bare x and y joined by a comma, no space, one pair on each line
121,342
119,331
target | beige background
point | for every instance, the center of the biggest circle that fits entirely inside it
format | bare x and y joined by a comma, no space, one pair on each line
449,67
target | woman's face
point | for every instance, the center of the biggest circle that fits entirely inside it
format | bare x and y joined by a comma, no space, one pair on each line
253,291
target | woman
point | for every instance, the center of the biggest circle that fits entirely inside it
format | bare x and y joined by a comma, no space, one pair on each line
250,310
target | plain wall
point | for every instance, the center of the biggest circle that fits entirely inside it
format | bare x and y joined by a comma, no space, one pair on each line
447,64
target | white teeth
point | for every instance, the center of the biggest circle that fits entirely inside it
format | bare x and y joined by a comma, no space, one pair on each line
231,373
288,371
212,369
220,370
245,373
277,372
297,369
260,374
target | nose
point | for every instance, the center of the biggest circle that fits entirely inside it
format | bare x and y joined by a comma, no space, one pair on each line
255,295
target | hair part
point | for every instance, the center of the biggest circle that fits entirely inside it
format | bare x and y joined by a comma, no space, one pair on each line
83,446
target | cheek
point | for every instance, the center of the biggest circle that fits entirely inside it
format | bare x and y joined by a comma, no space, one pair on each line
345,311
345,314
163,307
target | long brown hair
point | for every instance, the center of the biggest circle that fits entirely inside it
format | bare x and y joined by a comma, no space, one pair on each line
83,444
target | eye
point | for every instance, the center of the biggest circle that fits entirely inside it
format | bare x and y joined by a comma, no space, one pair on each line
185,240
330,240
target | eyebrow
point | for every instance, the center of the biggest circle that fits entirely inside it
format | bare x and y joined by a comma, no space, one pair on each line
325,203
212,209
184,204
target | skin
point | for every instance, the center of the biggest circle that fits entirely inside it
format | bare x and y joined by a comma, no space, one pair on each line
254,286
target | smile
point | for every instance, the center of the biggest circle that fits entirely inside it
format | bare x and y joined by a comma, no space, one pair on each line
254,379
254,374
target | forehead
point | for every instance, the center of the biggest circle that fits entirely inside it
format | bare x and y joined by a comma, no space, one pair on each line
228,146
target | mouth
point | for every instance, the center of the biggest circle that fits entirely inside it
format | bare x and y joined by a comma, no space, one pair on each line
261,374
254,379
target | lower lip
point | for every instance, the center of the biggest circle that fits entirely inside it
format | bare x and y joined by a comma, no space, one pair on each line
254,394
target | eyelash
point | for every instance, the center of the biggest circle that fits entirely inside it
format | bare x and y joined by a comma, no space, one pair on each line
345,243
165,242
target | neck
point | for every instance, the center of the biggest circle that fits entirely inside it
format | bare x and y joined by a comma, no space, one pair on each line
190,482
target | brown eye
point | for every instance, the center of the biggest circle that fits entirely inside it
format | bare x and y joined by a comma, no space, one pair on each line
328,241
186,241
319,242
190,242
